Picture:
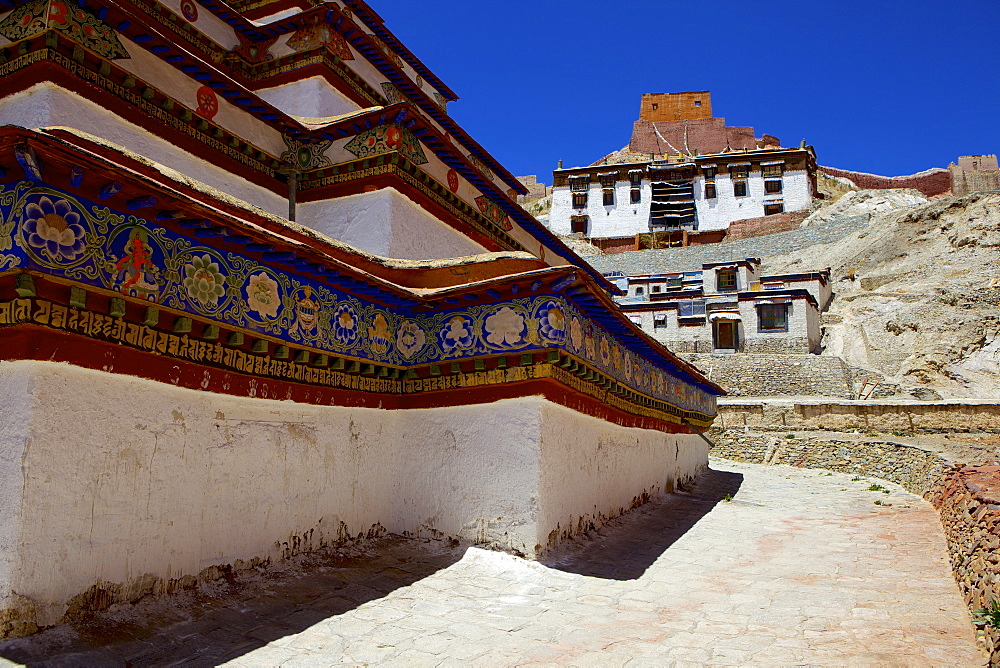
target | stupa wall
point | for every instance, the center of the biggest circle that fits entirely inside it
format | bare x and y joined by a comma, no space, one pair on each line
137,486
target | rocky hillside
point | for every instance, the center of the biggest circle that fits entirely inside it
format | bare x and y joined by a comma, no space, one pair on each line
917,290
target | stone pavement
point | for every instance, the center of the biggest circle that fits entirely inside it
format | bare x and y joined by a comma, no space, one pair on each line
800,567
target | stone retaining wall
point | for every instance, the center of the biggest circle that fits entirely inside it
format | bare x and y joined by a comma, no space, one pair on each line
968,500
882,416
915,469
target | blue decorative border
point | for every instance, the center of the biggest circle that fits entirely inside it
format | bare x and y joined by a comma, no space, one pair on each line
60,234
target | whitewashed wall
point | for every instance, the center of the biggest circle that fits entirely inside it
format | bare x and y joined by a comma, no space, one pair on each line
109,478
386,223
590,473
717,213
46,105
623,219
313,97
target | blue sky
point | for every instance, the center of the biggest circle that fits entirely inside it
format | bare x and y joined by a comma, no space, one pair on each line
887,87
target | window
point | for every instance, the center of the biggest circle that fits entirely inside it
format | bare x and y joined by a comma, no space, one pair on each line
657,288
655,106
636,195
579,200
697,103
579,223
773,317
674,283
709,173
691,309
739,188
579,184
739,172
772,171
726,280
773,208
660,321
710,191
772,187
639,290
635,178
608,180
609,197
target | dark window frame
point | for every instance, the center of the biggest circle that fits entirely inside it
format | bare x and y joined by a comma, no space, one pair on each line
635,195
772,317
577,221
727,285
710,191
740,189
770,206
773,187
772,171
608,196
579,200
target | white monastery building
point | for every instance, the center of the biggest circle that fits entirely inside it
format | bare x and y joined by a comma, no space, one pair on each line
684,172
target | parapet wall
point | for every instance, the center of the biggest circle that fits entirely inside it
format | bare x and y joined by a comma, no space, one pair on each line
759,227
932,182
882,416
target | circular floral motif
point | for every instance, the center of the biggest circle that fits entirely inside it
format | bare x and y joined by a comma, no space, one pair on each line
345,324
208,102
379,335
605,349
552,321
410,339
54,228
589,344
203,281
189,10
453,182
262,295
456,333
505,327
576,334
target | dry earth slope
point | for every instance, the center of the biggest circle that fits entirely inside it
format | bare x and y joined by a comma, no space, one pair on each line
917,291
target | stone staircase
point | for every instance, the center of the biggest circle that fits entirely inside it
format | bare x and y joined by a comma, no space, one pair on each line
772,375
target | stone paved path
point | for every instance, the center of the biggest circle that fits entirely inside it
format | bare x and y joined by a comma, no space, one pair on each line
801,567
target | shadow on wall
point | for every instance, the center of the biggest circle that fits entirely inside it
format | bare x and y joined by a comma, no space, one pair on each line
627,546
223,621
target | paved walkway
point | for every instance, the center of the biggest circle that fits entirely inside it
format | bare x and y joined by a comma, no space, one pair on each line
801,567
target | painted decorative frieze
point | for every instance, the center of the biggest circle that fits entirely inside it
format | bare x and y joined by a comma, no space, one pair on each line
481,166
392,93
70,19
316,35
385,139
492,210
306,156
74,239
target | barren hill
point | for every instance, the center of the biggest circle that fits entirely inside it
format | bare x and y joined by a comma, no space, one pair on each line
917,290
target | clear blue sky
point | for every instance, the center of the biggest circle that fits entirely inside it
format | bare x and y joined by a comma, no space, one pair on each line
881,86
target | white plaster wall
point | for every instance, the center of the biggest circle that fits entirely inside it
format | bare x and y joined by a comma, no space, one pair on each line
109,478
46,105
623,219
717,213
15,423
149,67
388,224
593,470
313,97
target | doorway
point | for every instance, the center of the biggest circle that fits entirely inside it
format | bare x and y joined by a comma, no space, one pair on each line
726,335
